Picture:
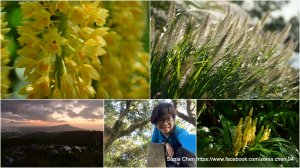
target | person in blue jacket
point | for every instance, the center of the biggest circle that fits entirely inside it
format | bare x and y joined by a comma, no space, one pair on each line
180,146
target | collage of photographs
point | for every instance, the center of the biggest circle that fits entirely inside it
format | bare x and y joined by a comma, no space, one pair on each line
185,83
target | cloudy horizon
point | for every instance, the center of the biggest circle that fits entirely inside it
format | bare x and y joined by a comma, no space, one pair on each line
85,114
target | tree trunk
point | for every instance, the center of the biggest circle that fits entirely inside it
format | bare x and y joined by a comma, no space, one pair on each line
112,134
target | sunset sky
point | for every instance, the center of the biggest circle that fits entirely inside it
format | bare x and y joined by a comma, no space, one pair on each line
86,114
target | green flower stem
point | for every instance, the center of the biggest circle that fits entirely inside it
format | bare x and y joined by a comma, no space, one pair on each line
60,67
63,24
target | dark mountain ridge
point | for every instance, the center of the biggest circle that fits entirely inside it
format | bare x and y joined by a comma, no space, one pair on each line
29,129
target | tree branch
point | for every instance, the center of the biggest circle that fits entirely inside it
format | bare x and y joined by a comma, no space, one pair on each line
189,108
125,110
133,127
117,133
107,128
187,118
174,104
119,123
190,119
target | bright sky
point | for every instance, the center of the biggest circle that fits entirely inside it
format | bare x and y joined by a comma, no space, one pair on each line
86,114
288,10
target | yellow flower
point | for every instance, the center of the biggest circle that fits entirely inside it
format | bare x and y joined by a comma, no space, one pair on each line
63,6
250,112
74,46
94,42
247,131
78,15
68,86
253,130
23,30
237,140
39,89
61,41
94,12
44,65
266,134
43,85
42,19
245,135
5,82
53,41
29,40
29,8
28,89
88,73
125,72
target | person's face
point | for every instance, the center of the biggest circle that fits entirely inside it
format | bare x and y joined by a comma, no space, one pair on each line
165,124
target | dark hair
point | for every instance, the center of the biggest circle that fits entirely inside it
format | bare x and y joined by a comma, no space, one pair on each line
162,109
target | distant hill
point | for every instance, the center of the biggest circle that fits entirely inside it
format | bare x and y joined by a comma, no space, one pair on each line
29,129
62,128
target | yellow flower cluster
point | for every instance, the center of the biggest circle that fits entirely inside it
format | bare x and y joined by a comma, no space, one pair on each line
5,83
126,72
245,133
238,138
265,133
61,44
